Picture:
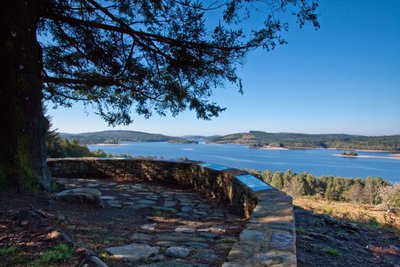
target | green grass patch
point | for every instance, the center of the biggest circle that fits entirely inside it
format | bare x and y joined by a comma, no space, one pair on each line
7,251
157,213
10,255
300,230
332,251
58,253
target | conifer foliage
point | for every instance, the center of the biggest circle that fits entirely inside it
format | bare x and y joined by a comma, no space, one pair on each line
123,57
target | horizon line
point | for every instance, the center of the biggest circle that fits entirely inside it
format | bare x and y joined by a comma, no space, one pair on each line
125,130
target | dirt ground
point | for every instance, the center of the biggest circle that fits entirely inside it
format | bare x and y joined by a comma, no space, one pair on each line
326,241
41,231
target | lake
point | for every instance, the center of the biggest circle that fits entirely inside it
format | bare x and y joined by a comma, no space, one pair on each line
314,161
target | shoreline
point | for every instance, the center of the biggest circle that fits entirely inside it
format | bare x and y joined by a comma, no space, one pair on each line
268,148
397,153
393,156
104,144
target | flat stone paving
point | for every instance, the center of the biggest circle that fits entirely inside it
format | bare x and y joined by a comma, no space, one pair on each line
144,224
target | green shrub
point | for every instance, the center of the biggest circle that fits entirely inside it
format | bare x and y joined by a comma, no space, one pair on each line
332,251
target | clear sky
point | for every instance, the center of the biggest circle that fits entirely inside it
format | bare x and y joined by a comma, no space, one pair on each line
343,78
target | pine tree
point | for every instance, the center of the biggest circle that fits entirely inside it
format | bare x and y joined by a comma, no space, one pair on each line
120,56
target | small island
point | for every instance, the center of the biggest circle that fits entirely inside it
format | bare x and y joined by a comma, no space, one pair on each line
349,154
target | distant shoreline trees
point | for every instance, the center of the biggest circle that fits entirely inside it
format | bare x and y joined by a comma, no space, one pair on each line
372,190
295,140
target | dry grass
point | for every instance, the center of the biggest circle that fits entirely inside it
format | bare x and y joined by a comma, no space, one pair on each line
344,210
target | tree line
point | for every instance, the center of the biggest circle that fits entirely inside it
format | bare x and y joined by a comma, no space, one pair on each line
58,147
372,190
295,140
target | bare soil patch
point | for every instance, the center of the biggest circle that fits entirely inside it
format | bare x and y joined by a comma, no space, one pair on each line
326,241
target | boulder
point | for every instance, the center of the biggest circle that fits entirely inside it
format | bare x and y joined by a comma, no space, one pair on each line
81,195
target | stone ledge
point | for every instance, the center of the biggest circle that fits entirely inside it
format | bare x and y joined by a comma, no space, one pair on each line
268,238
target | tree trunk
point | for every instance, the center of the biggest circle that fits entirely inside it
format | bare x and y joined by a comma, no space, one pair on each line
23,124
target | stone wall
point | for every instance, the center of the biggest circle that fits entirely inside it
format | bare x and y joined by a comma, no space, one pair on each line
268,238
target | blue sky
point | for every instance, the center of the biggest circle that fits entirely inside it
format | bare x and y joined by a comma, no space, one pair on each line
343,78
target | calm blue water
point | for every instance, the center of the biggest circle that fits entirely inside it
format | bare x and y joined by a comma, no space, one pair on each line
314,161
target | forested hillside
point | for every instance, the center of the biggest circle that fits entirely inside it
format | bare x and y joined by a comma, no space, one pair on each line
294,140
116,136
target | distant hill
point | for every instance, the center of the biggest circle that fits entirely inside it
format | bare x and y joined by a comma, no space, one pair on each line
116,136
296,140
252,138
199,138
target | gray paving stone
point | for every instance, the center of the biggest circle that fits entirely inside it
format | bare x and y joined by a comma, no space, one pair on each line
141,237
166,243
133,252
146,202
196,244
282,240
207,234
176,251
183,229
93,184
186,209
206,255
200,212
169,203
149,226
178,237
253,235
107,197
173,264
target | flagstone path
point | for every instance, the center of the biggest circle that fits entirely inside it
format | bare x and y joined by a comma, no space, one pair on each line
144,224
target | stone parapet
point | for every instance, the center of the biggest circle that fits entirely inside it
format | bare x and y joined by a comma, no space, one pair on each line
268,238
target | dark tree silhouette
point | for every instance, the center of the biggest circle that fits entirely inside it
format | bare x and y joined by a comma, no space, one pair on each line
118,55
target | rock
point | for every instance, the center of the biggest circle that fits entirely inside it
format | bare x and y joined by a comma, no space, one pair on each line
186,209
149,226
169,204
107,197
173,210
157,257
196,244
133,252
252,235
60,236
282,241
208,235
173,263
200,212
146,202
180,252
115,204
81,195
141,237
185,229
218,229
206,255
93,185
166,243
178,237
